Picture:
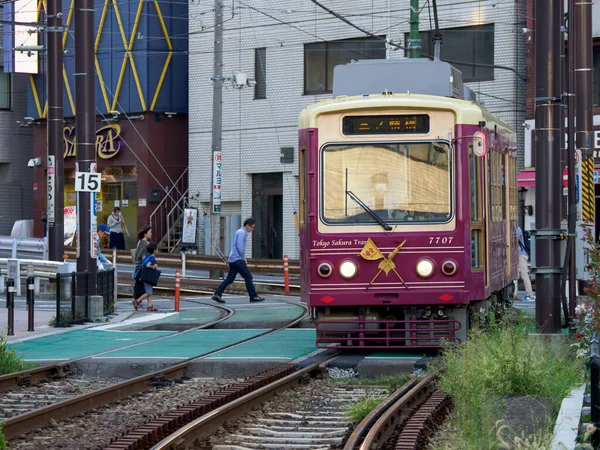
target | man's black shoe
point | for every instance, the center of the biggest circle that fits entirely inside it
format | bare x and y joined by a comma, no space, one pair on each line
257,299
218,299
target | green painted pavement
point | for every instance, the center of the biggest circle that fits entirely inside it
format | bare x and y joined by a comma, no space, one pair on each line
252,314
78,343
186,345
195,317
289,343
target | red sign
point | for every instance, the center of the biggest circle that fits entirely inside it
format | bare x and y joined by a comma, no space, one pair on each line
566,177
35,186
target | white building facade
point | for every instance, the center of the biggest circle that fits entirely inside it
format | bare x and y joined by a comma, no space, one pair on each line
290,49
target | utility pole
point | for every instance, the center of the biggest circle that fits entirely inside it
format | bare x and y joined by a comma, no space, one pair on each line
55,166
582,15
548,114
217,131
414,43
571,196
85,123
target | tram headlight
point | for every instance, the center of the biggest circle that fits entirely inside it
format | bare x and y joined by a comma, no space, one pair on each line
348,269
325,269
449,267
425,268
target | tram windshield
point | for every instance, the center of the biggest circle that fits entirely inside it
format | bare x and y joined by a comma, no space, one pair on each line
399,182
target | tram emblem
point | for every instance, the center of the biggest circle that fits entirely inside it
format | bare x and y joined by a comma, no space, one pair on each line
372,253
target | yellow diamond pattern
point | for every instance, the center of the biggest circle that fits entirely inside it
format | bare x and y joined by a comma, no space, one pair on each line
128,57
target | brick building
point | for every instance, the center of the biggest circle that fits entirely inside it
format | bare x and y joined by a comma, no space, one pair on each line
291,51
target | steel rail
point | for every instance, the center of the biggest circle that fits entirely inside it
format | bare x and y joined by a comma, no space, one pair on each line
395,414
34,420
361,430
29,376
208,424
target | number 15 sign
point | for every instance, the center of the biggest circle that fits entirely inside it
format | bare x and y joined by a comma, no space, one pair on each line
87,181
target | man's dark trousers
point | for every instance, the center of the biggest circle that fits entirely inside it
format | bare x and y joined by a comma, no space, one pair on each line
236,267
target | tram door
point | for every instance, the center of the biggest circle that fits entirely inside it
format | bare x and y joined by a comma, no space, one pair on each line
267,210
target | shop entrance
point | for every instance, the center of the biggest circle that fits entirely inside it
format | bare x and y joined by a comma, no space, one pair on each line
267,210
119,190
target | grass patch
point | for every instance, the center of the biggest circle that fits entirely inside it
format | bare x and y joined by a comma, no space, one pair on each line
500,363
9,361
2,442
66,320
360,410
392,383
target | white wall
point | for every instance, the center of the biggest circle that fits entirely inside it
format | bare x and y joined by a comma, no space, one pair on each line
255,130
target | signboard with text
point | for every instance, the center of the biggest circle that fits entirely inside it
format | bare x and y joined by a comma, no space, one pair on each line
216,204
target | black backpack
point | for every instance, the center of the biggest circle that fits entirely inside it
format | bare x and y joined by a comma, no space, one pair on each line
527,241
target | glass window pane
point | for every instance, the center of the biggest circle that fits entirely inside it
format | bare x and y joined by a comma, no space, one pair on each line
474,183
314,68
483,38
4,89
260,75
457,45
398,182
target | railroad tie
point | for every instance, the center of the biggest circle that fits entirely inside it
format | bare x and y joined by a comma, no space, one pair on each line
159,428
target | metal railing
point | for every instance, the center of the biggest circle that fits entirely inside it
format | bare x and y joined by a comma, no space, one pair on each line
165,220
17,247
74,287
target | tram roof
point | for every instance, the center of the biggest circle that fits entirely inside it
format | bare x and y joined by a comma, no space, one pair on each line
466,112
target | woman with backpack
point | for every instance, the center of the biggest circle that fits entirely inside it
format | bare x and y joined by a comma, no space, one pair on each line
144,235
148,277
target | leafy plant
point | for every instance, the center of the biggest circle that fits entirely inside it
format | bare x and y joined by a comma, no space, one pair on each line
360,410
9,361
2,442
500,363
66,320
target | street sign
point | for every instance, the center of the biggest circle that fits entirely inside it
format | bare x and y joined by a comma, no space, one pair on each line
51,189
87,182
94,215
566,177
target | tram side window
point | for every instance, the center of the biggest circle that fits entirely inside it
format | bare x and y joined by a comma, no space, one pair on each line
474,185
302,182
476,250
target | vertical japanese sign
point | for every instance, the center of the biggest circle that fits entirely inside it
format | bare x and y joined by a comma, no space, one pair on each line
93,218
216,182
51,188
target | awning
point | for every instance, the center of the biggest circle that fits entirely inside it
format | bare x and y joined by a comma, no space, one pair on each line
526,178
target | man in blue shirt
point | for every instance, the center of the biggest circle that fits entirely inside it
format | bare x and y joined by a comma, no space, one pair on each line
237,263
101,262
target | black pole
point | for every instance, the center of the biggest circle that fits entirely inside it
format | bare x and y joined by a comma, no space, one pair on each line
584,109
58,300
73,294
30,302
85,121
55,166
87,274
10,305
548,114
572,198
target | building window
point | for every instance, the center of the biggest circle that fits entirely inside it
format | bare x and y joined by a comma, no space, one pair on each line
596,78
4,89
260,73
471,45
320,58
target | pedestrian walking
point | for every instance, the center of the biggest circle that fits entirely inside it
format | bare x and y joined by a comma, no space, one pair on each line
148,263
237,263
524,267
144,235
117,227
101,262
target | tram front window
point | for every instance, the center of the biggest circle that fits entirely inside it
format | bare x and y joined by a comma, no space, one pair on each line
400,182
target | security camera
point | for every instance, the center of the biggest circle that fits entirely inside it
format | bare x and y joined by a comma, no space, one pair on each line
115,113
251,82
34,162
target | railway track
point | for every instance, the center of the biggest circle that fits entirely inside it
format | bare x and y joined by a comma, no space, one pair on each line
40,417
206,286
310,418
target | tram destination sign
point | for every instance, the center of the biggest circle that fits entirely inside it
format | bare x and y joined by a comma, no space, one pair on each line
397,124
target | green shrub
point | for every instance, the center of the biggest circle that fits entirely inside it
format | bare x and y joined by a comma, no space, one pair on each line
9,361
2,442
500,363
360,410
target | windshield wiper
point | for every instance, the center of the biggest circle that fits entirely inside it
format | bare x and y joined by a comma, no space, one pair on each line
372,213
